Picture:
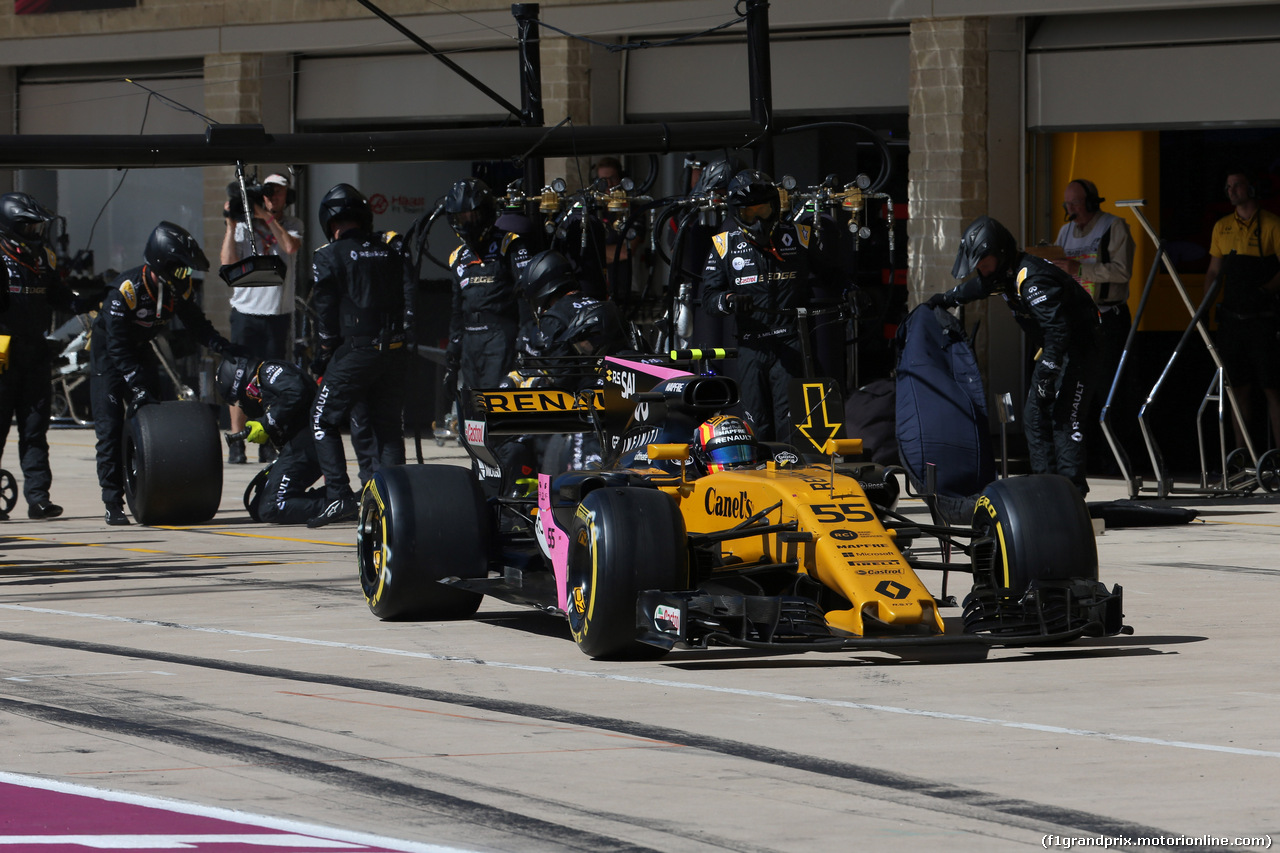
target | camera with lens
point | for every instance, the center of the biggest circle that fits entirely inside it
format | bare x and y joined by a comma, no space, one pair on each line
257,198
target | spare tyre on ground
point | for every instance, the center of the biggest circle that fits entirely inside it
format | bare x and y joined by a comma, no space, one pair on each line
173,463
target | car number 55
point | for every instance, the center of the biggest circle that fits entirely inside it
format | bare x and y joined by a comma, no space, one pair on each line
837,513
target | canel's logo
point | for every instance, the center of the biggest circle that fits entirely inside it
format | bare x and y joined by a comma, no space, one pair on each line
723,506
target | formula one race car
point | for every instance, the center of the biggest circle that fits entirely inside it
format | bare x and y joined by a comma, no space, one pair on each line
651,552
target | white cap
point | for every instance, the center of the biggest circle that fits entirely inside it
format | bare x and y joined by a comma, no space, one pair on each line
276,179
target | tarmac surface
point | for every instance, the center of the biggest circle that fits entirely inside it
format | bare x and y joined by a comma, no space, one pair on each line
232,670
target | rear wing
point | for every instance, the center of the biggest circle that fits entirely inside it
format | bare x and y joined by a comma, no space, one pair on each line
604,408
625,394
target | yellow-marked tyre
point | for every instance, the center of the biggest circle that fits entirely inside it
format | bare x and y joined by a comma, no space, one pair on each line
622,541
1035,563
418,525
1041,530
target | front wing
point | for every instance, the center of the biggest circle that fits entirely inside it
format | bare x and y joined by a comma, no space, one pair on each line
1049,613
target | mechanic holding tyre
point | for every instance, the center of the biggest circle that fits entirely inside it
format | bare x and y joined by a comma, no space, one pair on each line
486,268
139,304
364,287
276,397
1056,312
32,289
760,271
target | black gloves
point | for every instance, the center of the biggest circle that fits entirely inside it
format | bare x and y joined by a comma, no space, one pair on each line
1045,379
223,347
452,366
320,363
138,397
735,303
941,300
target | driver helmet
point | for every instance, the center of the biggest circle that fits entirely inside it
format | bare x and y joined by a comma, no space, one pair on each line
24,222
235,380
172,253
472,212
985,236
754,204
724,442
345,202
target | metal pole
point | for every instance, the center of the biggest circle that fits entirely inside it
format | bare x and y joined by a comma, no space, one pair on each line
760,76
449,63
122,151
531,115
1197,324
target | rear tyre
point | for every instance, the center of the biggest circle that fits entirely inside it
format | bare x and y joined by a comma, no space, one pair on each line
418,525
173,464
1033,534
622,541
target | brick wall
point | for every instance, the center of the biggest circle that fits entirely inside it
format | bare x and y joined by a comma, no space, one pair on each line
566,91
948,161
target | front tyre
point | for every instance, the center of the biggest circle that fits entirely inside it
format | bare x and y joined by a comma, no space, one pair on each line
622,541
1035,563
419,524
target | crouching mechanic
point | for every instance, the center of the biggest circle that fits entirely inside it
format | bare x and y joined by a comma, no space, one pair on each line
1061,316
276,397
139,304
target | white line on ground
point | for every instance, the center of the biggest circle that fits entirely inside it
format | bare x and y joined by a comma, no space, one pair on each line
679,685
313,831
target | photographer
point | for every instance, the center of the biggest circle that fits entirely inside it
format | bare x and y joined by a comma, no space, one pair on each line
261,316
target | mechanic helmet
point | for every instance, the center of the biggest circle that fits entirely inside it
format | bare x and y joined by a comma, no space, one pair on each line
723,442
715,177
345,202
235,380
24,222
597,329
983,237
172,253
472,211
754,203
547,277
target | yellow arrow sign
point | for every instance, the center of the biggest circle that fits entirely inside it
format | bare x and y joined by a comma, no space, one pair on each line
817,427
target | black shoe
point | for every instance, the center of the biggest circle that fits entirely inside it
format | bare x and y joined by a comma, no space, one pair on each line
44,509
235,453
343,509
116,516
267,454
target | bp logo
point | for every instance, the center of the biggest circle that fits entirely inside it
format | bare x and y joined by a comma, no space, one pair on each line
893,589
